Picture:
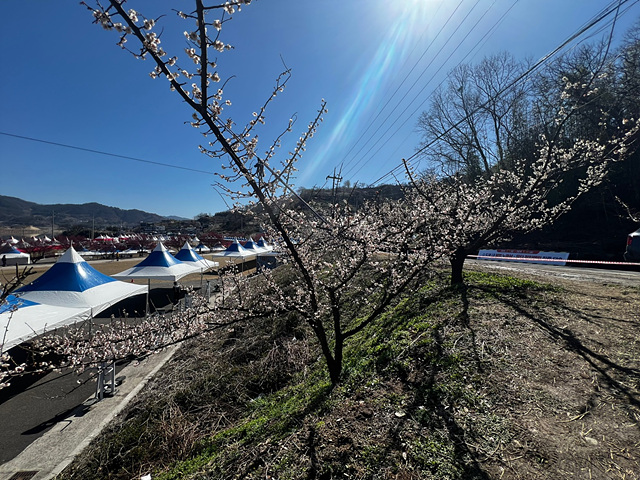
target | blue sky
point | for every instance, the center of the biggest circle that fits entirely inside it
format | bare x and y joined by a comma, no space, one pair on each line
375,62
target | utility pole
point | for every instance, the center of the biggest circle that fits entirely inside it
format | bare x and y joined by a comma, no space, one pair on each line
336,179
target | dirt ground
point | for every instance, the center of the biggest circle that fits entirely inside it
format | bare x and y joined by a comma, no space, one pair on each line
566,373
560,382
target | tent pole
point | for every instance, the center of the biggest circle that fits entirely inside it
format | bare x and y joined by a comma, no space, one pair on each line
146,310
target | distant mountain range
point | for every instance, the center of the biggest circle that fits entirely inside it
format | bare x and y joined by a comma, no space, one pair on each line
17,212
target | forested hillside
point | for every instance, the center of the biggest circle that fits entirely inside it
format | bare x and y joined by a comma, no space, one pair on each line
15,211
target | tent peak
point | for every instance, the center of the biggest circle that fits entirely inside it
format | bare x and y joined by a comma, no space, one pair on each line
160,247
70,256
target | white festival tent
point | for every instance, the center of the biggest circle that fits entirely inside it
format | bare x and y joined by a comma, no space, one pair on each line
189,256
218,247
234,250
252,248
202,248
72,282
22,319
13,256
132,251
159,265
262,243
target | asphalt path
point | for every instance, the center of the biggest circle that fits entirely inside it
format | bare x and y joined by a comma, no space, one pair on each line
629,276
69,432
33,404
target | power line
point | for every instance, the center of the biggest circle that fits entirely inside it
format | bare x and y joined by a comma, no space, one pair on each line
379,139
614,6
346,162
415,98
596,19
479,45
535,66
126,157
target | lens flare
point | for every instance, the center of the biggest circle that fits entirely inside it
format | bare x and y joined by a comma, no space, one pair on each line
409,25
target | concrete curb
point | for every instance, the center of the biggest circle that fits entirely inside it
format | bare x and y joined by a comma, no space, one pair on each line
50,454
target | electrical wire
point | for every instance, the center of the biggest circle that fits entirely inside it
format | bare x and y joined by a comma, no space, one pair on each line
456,48
90,150
470,53
612,7
406,77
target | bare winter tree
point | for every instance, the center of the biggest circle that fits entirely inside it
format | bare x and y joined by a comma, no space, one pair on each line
475,120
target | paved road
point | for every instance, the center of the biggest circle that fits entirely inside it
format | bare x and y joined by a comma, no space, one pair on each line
33,405
579,274
70,430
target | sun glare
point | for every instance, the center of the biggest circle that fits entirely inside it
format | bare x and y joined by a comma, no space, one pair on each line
407,24
419,10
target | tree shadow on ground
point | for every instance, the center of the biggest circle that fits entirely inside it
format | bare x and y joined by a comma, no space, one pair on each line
466,458
261,455
426,411
77,411
430,407
568,339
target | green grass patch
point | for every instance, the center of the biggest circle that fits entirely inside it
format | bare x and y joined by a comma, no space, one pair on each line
506,285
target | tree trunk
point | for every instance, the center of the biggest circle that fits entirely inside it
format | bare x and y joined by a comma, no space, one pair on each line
457,263
332,358
335,370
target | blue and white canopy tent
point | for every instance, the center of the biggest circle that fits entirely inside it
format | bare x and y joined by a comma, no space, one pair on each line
252,248
21,319
72,282
262,243
70,291
189,256
13,256
267,258
202,248
235,250
159,265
